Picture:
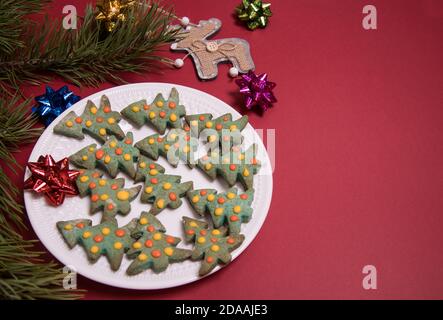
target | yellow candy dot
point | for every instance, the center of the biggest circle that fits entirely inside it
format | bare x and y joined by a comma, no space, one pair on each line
118,245
208,166
104,197
69,124
86,234
84,158
246,172
107,159
142,165
173,136
218,211
157,236
102,132
201,240
91,149
135,109
84,178
211,198
208,124
195,199
167,186
215,232
160,203
144,221
241,156
151,141
88,123
168,251
68,227
167,146
173,117
93,110
102,182
233,127
137,245
237,209
186,149
159,104
94,249
231,195
142,257
212,138
215,248
153,172
106,231
148,189
113,144
127,157
152,115
111,120
194,123
123,195
192,224
214,154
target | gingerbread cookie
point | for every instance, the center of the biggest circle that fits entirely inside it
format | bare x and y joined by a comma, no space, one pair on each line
114,155
177,145
108,195
160,113
105,239
212,246
232,166
153,249
99,123
207,54
228,207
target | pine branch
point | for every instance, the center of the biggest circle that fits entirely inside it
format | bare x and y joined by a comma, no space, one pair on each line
88,56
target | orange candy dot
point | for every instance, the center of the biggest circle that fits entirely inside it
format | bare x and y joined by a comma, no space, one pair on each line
221,200
254,161
201,118
203,192
243,196
232,167
107,109
230,241
94,198
203,232
187,138
172,196
159,139
225,119
146,107
128,141
152,166
92,185
186,128
80,225
118,151
218,126
110,206
99,119
162,114
172,105
213,240
170,239
233,218
78,120
156,253
99,154
149,243
190,232
114,187
96,175
98,238
150,228
154,180
210,259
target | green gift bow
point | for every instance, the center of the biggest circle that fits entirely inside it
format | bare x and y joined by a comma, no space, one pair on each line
255,13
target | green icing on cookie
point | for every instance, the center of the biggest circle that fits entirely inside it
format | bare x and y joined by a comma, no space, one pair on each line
229,207
212,246
160,113
113,156
108,195
104,239
176,145
232,166
147,167
153,249
99,123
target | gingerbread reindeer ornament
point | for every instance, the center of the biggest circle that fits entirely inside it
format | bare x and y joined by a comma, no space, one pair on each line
207,54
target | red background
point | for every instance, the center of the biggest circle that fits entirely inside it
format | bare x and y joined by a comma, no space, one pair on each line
358,176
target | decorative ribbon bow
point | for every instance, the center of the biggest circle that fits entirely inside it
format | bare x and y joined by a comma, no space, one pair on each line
255,13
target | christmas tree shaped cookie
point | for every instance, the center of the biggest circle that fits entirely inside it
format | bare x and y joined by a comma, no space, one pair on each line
147,168
212,246
105,239
229,207
177,145
99,123
108,195
161,113
232,166
114,155
219,131
153,249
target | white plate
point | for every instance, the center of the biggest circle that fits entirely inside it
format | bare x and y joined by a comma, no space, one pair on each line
43,217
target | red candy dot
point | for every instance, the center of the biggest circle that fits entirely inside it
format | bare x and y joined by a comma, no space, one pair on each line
210,259
96,175
128,141
221,200
159,139
243,196
213,240
150,228
156,253
187,138
203,192
98,238
187,128
230,241
162,114
146,107
170,239
154,180
172,105
99,154
80,225
203,232
233,218
118,151
78,120
225,119
92,185
120,232
232,167
149,243
107,109
99,119
152,166
172,196
114,187
218,126
94,198
190,232
254,161
110,206
201,118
